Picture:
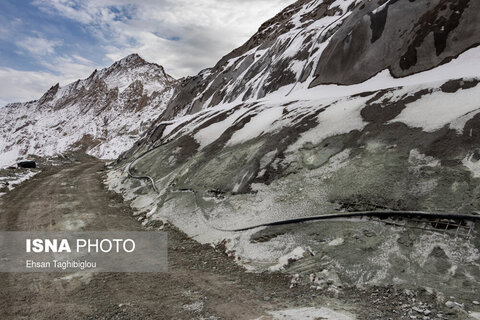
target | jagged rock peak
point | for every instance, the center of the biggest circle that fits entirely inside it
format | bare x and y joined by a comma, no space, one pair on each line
133,59
136,64
49,94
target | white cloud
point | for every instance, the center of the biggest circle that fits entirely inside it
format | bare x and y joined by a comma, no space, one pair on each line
69,9
24,85
70,68
20,85
8,27
204,30
38,45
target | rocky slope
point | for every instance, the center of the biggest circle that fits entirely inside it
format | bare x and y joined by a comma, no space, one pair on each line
333,106
102,115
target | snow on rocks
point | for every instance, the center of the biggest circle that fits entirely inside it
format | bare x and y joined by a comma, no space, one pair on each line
472,164
296,254
259,124
11,179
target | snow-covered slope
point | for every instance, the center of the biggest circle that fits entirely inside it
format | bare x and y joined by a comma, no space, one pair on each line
103,115
323,155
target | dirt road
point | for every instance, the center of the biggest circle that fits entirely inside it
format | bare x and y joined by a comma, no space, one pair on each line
202,283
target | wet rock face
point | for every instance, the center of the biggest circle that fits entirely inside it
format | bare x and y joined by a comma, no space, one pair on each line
426,33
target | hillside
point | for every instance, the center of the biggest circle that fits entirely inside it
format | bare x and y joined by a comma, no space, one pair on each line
312,44
333,107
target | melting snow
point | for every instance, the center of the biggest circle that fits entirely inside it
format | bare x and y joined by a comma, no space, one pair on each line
21,177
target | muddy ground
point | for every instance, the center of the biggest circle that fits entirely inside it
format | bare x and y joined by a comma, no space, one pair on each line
202,282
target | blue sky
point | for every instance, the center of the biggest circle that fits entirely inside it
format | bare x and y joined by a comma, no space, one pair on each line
43,42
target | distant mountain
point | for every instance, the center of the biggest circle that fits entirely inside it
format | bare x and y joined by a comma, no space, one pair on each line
102,115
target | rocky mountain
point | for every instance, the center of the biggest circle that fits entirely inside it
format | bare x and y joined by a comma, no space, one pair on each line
332,107
102,115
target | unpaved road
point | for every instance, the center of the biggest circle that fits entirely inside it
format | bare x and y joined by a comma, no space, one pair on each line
201,283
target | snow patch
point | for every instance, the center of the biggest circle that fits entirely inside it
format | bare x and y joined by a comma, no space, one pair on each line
17,179
256,126
297,254
9,158
308,313
472,165
339,117
193,307
434,111
417,160
336,242
214,131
